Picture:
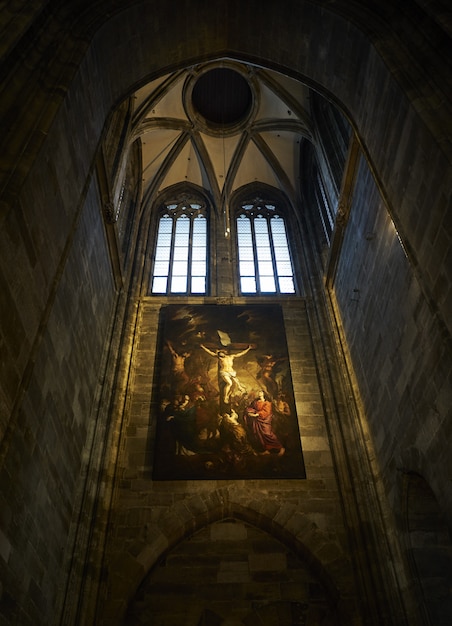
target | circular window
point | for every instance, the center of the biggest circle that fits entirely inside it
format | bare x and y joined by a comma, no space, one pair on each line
220,100
222,96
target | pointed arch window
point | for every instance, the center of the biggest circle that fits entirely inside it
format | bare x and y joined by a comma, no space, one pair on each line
265,264
180,263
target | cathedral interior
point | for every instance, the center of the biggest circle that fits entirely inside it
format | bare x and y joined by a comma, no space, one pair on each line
226,313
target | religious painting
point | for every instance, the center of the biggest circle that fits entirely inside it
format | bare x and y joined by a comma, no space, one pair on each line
225,407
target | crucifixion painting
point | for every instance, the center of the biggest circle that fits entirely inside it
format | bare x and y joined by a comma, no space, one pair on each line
225,404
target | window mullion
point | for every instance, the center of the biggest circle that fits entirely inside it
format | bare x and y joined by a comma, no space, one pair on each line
256,264
173,243
190,256
183,250
272,252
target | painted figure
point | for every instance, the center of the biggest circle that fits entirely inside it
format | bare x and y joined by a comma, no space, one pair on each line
266,374
179,375
234,436
227,376
182,417
258,419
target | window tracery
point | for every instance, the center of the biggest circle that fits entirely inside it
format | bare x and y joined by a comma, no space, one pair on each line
180,263
264,260
181,258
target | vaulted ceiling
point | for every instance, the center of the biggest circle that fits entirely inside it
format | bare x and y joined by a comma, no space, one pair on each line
222,125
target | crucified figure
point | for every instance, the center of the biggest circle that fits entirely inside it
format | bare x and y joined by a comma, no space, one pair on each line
179,375
227,376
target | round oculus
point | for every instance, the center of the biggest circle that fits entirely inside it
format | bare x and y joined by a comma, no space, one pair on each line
222,96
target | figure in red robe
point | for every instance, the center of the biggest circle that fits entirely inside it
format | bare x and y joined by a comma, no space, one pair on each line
258,419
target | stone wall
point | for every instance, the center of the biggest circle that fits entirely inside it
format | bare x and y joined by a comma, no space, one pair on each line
149,518
231,572
42,454
58,294
399,348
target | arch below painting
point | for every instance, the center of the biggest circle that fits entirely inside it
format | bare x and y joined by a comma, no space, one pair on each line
323,556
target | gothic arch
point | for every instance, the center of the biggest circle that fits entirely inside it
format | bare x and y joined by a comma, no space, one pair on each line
428,548
262,190
261,194
387,119
148,220
282,521
73,77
